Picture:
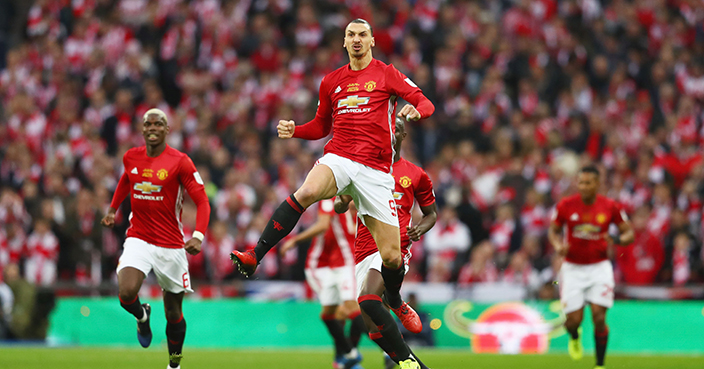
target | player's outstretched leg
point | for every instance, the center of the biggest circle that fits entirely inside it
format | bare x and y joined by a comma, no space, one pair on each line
129,281
175,327
279,226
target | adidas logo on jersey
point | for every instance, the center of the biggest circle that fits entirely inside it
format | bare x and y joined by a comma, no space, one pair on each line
338,89
574,217
134,171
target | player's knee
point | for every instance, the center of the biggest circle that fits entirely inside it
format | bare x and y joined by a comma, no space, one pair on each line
127,294
572,322
391,258
307,194
329,310
599,321
173,315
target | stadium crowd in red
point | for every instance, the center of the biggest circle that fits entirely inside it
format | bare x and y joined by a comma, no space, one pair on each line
526,91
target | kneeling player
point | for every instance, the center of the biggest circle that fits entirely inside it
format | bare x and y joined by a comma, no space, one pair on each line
586,274
330,273
411,183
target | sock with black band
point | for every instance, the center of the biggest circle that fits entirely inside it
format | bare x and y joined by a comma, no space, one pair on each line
134,307
393,278
337,332
574,333
357,328
372,306
175,334
601,339
279,226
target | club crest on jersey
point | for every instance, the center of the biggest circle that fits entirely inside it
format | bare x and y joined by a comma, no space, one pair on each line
601,218
353,87
405,182
370,86
147,187
148,173
162,174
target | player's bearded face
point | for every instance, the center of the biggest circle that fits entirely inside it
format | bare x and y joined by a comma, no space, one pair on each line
154,130
587,184
358,39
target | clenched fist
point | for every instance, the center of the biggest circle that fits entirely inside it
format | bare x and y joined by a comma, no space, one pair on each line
193,246
409,112
286,128
108,220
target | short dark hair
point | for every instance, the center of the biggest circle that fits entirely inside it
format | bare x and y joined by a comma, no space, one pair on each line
590,169
364,22
401,122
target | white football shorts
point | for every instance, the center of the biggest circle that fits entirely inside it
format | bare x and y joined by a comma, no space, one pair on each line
371,189
580,283
371,262
170,265
332,285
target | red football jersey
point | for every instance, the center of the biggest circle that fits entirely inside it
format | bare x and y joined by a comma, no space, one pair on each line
585,225
334,247
362,105
155,186
412,184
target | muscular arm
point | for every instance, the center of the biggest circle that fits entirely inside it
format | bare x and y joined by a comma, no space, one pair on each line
430,216
316,129
409,91
123,188
121,191
190,178
555,238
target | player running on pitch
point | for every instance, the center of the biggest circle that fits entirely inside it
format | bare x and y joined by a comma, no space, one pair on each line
330,273
155,177
586,274
360,98
411,184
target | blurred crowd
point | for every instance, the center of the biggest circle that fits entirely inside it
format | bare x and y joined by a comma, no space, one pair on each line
526,91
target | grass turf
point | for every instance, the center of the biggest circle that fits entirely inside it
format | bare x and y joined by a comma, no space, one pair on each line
108,358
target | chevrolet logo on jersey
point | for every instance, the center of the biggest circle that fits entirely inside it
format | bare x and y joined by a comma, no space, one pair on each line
147,187
353,101
587,231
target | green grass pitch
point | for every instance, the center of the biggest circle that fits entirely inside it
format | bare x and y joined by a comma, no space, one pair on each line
108,358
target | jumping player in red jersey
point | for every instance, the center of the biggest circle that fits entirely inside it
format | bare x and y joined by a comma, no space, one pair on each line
360,98
411,184
330,273
586,274
155,177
